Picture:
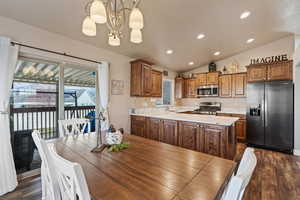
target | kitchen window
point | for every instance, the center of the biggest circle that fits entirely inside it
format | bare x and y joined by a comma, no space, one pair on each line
167,92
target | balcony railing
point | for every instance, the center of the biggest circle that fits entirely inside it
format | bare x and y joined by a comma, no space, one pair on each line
44,119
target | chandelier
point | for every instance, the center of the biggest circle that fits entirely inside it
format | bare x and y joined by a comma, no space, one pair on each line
113,14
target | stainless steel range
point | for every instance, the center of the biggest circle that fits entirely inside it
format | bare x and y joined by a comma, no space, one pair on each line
208,108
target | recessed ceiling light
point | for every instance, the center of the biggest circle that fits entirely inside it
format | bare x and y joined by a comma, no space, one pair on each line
170,51
191,63
217,53
200,36
250,40
245,14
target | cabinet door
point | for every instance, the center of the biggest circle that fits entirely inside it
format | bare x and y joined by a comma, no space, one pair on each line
136,88
147,80
212,141
212,78
191,88
240,130
169,132
156,83
225,86
153,127
138,126
187,134
280,71
201,79
179,88
257,73
239,85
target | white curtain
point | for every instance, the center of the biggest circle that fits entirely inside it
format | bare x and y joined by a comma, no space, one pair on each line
103,81
8,62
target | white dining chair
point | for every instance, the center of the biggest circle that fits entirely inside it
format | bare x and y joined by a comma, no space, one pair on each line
71,178
238,183
50,186
73,126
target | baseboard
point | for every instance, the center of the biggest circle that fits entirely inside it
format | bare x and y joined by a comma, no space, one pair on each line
297,152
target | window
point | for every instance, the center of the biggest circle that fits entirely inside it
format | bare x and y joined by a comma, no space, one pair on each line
167,92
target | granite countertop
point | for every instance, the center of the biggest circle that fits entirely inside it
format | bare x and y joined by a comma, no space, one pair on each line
224,110
205,119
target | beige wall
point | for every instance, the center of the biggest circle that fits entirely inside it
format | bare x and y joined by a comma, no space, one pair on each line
119,65
282,46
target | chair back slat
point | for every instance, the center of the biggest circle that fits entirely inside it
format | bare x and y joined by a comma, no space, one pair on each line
73,126
71,178
239,182
50,187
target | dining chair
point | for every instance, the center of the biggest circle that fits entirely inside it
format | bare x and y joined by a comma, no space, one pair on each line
241,179
50,186
71,178
73,126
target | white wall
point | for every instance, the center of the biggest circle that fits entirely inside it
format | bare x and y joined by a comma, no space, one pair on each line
282,46
120,67
297,94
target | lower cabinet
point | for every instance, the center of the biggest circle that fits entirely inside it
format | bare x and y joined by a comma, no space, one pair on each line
188,132
138,126
153,128
214,140
169,131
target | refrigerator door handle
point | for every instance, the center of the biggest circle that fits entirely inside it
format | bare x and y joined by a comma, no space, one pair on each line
266,112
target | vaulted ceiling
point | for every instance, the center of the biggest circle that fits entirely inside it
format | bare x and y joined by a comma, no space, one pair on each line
172,24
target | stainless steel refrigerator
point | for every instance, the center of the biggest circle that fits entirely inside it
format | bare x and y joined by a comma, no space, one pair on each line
270,115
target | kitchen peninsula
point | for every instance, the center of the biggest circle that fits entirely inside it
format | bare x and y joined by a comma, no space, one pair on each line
209,134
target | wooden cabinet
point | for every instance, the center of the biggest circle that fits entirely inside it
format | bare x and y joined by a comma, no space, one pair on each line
145,82
187,135
212,138
156,83
191,90
239,85
240,125
212,78
257,73
270,72
225,87
153,128
179,88
201,79
280,71
169,132
138,126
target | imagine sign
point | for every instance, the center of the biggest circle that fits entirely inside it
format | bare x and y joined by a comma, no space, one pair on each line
269,59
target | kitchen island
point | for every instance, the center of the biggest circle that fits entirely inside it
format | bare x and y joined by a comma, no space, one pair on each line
209,134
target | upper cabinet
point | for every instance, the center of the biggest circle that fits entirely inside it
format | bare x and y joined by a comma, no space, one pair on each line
225,85
233,85
145,82
179,88
201,79
257,73
156,77
239,85
280,71
190,88
210,78
270,72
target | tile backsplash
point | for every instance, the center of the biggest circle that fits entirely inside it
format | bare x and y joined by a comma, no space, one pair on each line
237,103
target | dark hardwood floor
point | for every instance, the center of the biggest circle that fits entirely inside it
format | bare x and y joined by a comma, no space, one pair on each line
276,177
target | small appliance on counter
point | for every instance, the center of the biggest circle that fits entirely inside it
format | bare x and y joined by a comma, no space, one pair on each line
208,91
208,108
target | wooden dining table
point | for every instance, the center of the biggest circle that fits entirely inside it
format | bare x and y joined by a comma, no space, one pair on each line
147,170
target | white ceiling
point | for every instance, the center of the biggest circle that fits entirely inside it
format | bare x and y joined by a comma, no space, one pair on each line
172,24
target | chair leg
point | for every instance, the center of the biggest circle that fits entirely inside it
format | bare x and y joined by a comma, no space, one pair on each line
44,192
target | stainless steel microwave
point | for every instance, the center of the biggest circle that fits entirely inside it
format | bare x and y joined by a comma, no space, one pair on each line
208,91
